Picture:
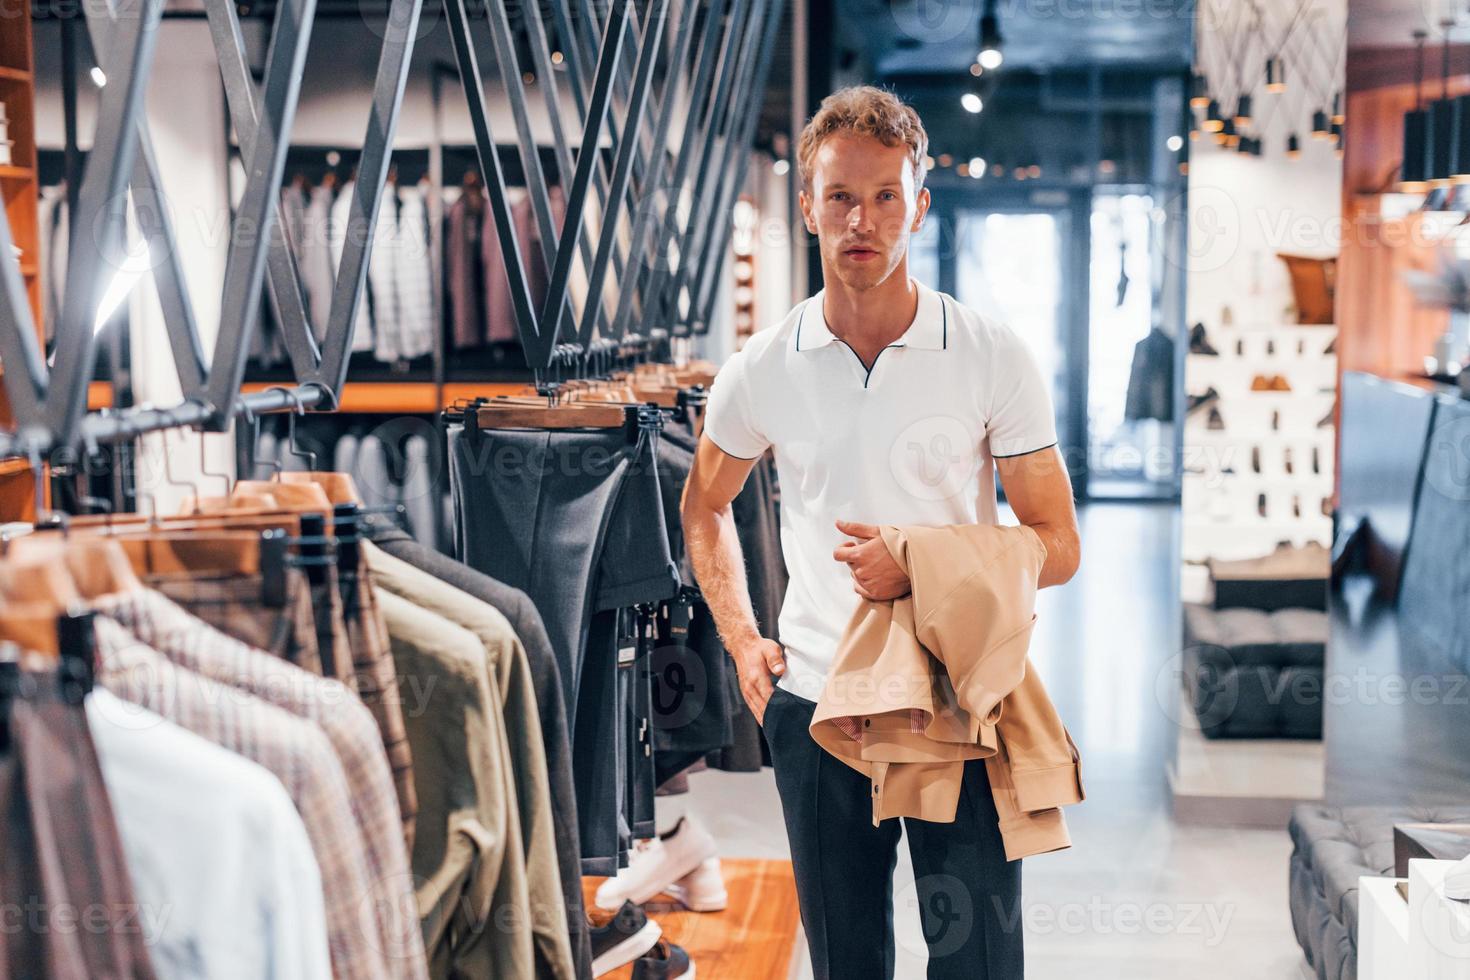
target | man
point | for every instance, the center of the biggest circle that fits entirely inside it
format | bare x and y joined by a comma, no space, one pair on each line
885,403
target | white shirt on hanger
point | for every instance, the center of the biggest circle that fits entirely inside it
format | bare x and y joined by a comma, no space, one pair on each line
220,862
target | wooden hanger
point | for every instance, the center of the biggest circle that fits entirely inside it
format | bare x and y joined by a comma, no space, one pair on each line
301,497
70,568
338,487
507,413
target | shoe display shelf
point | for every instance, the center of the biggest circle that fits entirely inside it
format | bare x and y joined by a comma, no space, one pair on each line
1261,477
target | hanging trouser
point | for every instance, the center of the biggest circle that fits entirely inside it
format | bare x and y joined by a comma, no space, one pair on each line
573,518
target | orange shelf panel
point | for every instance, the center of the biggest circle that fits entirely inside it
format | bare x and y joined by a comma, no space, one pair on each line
15,74
16,173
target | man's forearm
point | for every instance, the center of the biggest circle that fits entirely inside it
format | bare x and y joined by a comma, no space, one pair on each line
719,566
1063,553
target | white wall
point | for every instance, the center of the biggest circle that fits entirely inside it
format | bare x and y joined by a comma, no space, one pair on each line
194,178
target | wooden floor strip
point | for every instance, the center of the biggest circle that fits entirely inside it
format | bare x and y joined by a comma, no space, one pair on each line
752,939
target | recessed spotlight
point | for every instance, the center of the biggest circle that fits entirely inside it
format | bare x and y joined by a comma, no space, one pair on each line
977,166
1174,143
781,167
977,69
99,77
971,102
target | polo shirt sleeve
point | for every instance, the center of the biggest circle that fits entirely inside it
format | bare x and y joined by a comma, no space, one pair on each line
1022,419
729,415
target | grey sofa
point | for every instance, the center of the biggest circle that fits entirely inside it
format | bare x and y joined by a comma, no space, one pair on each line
1331,848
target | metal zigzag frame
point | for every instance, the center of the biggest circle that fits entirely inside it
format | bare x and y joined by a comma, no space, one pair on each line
661,255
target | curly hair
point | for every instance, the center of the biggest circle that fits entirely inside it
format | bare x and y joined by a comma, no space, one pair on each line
870,111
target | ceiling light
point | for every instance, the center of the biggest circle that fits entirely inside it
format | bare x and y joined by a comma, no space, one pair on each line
1413,170
1338,116
945,159
1243,110
1175,143
977,69
1199,92
990,39
1444,123
557,57
1293,147
1275,74
971,102
963,170
1214,122
977,167
1321,128
99,77
781,167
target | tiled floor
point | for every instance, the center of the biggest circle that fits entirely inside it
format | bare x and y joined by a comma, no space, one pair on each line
1136,898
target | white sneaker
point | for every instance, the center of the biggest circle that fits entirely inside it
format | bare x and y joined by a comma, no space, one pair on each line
656,864
703,889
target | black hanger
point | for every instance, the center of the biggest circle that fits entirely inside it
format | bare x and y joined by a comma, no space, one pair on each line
77,640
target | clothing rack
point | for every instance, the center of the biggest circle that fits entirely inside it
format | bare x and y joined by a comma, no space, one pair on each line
634,67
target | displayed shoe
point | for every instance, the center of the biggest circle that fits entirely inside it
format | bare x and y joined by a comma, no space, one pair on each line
1255,459
1199,342
1331,347
703,889
1261,504
1216,421
1260,383
1287,461
621,937
658,863
1325,422
1200,401
664,962
1240,348
1275,420
1270,348
1279,383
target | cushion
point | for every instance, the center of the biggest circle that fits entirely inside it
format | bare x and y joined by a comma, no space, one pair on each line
1253,674
1288,577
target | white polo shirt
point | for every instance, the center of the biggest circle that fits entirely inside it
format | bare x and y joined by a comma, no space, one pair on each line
910,442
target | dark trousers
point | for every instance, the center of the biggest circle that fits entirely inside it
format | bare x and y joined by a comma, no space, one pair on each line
968,893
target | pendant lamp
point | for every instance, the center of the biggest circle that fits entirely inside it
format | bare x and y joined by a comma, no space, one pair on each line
1442,128
1413,172
1243,110
1214,122
1275,74
1199,91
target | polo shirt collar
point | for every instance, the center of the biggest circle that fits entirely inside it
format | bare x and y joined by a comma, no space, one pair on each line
929,331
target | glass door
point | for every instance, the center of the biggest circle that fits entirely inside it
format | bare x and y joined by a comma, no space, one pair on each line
1013,256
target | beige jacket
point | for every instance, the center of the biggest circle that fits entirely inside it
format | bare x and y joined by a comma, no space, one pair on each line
924,682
